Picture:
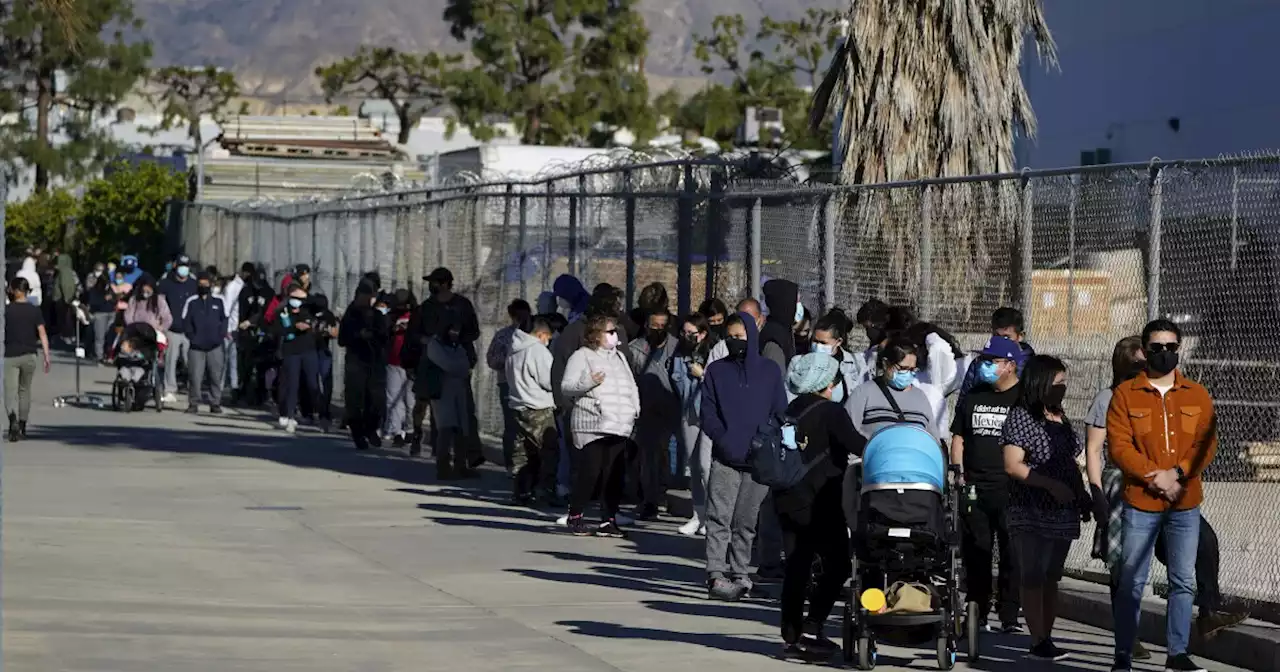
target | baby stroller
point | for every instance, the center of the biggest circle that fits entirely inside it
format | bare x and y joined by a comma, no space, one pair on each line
131,395
903,513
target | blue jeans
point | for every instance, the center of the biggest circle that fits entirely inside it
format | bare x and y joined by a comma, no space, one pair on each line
301,371
1181,534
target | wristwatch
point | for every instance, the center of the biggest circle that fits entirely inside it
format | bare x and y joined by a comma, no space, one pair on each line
1182,475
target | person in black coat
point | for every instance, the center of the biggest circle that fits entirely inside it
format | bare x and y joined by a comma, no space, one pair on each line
363,333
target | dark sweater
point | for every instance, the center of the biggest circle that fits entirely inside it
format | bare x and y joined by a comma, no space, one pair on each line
781,296
737,397
295,341
176,293
825,431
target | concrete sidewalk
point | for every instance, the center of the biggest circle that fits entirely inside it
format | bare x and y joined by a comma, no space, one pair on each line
171,542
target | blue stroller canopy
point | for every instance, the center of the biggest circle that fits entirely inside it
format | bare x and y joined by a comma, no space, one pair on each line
903,454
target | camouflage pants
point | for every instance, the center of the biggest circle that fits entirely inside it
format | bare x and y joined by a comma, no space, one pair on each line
533,461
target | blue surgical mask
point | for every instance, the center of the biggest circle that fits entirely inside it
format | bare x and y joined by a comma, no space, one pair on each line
824,348
384,310
988,373
184,271
902,380
295,303
799,313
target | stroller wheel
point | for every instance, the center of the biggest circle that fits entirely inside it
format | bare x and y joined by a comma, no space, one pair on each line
155,394
128,398
946,654
971,632
866,653
846,630
115,396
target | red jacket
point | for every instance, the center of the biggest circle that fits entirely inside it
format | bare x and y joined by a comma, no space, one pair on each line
398,329
273,306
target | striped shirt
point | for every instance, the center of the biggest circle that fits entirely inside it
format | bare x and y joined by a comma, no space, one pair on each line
871,411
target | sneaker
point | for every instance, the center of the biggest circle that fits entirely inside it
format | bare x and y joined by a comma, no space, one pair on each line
691,528
216,410
1046,650
1208,625
1140,652
815,641
800,651
1009,629
647,512
623,520
169,398
1119,664
398,441
725,590
291,426
1181,663
563,520
374,440
192,410
579,527
284,422
610,530
325,425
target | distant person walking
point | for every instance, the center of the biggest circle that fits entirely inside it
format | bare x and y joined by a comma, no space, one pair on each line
24,336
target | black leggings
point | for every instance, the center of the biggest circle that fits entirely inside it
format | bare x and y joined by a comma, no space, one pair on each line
599,464
824,537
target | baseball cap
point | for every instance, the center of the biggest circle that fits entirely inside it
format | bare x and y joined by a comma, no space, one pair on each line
182,260
301,268
1001,347
441,274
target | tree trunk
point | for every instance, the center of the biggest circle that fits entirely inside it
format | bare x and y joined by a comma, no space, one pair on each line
532,126
405,125
44,106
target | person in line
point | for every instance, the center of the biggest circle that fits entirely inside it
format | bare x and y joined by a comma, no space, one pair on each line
204,325
1009,323
450,404
651,362
102,301
527,372
716,312
231,351
598,382
653,299
441,299
873,317
687,371
399,415
31,274
811,512
24,336
363,333
803,333
519,312
830,337
250,305
148,307
295,331
892,397
66,291
175,288
326,333
303,276
1162,434
940,360
978,449
1046,496
739,393
777,335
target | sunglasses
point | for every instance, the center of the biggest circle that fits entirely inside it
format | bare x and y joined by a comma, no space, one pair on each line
1162,347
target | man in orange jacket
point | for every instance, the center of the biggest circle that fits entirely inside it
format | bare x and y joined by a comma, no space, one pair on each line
1162,434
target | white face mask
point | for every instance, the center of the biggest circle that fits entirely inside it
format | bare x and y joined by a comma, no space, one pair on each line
564,305
611,341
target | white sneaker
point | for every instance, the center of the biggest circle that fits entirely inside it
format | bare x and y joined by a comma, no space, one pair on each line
691,528
623,520
292,426
562,521
284,422
168,398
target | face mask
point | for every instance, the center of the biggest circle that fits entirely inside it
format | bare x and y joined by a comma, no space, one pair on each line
119,281
656,338
147,295
824,348
611,341
384,310
295,303
837,389
799,313
184,271
97,270
875,335
564,306
1161,363
1054,397
719,330
901,380
203,290
988,372
434,288
737,348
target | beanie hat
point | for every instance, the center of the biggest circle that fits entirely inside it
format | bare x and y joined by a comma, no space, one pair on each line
812,372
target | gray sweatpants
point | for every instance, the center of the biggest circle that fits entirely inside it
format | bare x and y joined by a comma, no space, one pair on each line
179,349
733,507
199,364
19,373
399,402
697,454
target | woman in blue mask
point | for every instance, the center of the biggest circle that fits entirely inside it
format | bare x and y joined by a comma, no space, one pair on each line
892,397
830,336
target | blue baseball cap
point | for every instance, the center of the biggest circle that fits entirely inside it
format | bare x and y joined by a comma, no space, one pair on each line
1000,347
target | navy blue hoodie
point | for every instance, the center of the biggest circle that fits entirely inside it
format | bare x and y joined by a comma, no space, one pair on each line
737,397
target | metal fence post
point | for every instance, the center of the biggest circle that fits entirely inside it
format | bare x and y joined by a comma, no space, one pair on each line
829,253
1025,257
477,237
1071,252
576,212
1153,250
684,242
754,256
713,234
522,244
926,253
440,237
1235,217
501,252
548,234
631,237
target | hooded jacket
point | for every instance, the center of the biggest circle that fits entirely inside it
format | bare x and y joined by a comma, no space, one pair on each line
29,273
65,288
528,373
570,289
739,396
781,296
363,331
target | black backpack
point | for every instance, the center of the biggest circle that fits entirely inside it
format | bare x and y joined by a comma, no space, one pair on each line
771,460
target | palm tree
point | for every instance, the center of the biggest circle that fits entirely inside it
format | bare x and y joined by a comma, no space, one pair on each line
68,20
924,89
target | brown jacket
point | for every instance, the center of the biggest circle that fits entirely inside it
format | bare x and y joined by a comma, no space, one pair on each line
1147,432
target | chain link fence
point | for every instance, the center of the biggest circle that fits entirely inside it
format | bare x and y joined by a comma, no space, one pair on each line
1088,254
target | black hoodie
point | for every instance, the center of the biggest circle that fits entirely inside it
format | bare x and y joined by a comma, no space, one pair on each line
781,296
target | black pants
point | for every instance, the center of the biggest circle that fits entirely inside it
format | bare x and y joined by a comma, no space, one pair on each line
362,397
985,523
301,374
1208,593
825,538
600,464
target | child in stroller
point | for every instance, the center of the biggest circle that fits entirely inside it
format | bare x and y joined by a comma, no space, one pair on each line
903,512
140,347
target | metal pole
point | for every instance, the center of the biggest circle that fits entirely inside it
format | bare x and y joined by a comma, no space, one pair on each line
684,242
630,208
576,205
548,236
1153,251
502,246
1026,259
439,233
521,243
926,253
199,164
715,211
754,256
829,253
477,238
1235,217
1071,253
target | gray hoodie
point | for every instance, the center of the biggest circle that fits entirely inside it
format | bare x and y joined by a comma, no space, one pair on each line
658,398
528,372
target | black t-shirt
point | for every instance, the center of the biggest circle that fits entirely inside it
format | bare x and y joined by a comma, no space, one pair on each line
21,334
979,421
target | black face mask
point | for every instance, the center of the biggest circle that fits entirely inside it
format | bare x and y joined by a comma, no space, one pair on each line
1162,363
719,330
656,338
876,335
1054,397
203,290
435,288
737,349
